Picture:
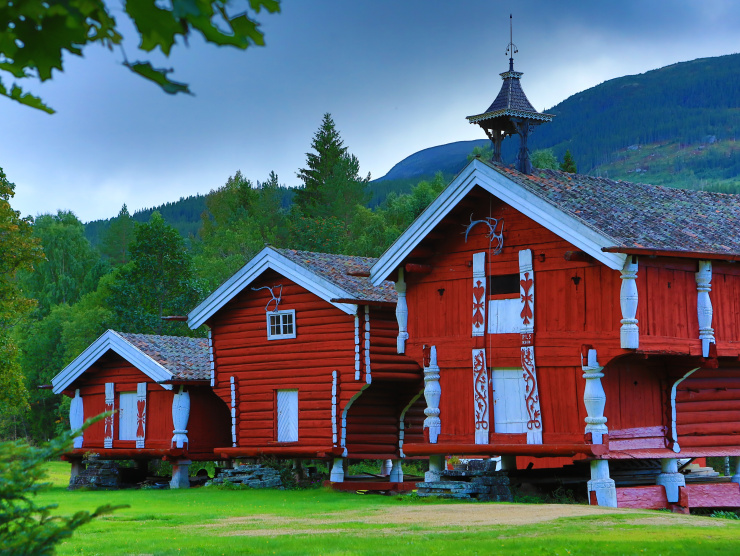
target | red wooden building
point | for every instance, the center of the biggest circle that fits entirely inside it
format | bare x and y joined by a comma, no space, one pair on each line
159,387
562,315
304,353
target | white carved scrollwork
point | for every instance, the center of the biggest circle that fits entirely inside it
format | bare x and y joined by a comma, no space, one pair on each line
432,395
479,294
481,403
704,310
594,398
110,398
76,417
180,417
529,369
402,313
629,333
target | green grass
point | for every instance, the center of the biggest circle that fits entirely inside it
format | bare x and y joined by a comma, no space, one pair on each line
212,521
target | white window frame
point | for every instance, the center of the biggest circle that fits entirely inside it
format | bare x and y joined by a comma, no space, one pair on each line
281,336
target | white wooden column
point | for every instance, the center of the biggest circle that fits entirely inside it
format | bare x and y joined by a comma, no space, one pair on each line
396,475
432,395
368,370
140,414
602,484
479,294
481,403
110,405
212,359
76,417
232,383
594,398
629,333
704,310
670,479
334,393
402,313
337,471
180,417
357,346
529,369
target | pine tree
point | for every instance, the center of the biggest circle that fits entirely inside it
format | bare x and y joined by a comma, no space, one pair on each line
118,237
568,165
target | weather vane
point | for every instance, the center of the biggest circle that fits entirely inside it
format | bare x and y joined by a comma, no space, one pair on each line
511,49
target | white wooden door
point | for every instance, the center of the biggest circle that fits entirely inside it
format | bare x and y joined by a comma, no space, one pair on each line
287,418
127,416
503,316
509,408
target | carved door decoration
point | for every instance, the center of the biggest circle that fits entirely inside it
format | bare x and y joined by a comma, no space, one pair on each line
140,414
479,294
529,370
110,396
481,399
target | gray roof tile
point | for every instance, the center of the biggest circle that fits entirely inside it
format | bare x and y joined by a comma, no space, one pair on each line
186,358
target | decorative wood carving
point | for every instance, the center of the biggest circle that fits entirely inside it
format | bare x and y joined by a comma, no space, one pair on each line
334,392
495,238
402,313
432,395
76,417
140,414
232,382
480,396
704,306
670,479
594,397
629,333
275,298
180,417
212,360
357,347
110,402
674,389
368,370
529,369
479,294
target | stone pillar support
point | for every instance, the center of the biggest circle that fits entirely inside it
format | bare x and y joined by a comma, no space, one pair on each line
670,479
337,471
396,475
180,473
436,466
602,485
385,467
76,467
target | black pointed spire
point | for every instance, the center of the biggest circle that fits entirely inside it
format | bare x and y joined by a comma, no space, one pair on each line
511,112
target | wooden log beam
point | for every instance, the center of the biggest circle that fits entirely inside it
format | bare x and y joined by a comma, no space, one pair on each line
535,450
283,451
415,268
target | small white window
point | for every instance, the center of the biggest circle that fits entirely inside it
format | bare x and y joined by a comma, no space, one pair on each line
281,324
127,416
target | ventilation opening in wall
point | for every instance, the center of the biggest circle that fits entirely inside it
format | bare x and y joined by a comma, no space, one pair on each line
503,284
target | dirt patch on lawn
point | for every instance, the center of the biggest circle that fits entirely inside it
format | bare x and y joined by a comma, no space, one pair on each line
433,516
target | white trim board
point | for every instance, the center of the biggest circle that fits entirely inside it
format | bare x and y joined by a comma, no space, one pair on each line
266,259
110,340
479,173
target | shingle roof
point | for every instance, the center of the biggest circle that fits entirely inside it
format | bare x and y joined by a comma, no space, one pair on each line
638,215
511,101
342,271
185,358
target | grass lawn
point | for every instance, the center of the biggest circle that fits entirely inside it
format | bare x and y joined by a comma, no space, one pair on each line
212,521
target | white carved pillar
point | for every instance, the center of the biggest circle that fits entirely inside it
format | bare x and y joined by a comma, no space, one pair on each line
602,484
368,370
357,347
436,466
629,333
432,395
334,393
337,471
110,405
180,416
594,398
212,359
480,397
704,306
402,313
385,467
670,479
736,477
180,473
479,294
232,383
76,417
529,369
140,414
396,474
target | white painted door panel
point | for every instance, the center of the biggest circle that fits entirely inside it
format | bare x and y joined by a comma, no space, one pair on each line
127,416
503,316
509,409
287,406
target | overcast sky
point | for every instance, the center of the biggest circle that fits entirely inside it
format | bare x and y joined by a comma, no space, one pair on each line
397,76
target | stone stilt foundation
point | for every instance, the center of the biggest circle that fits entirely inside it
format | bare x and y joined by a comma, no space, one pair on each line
476,480
95,474
670,479
253,476
180,474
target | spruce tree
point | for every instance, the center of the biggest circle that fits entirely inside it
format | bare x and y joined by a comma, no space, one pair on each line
118,237
568,165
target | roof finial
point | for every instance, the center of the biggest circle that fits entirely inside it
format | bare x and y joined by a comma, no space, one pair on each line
511,49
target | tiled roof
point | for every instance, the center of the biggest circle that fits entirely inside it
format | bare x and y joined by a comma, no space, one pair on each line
638,215
185,358
511,101
342,271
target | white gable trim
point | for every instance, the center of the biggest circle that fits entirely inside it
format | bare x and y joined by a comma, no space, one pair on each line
110,340
513,194
266,259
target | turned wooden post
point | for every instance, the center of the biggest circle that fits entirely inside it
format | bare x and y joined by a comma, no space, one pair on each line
594,398
629,333
180,416
704,310
432,395
402,313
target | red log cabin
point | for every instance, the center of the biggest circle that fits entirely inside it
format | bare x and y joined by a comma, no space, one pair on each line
561,315
304,353
159,388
